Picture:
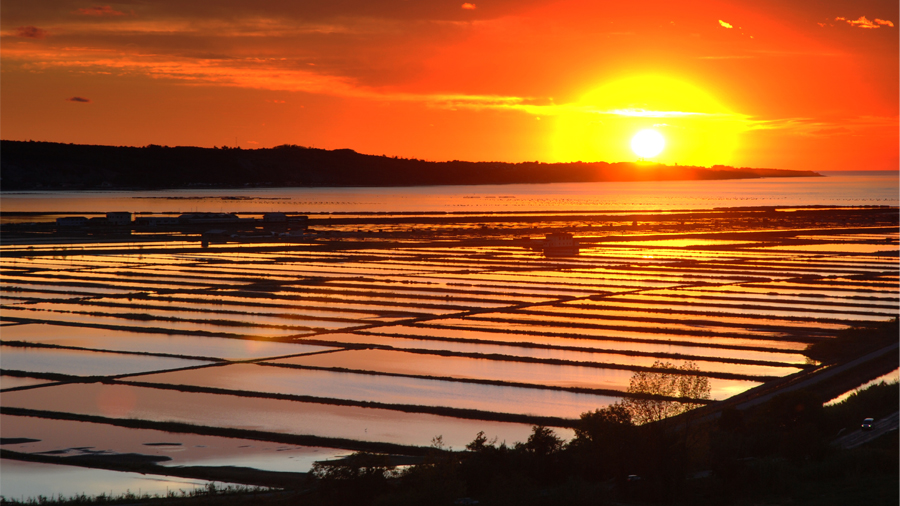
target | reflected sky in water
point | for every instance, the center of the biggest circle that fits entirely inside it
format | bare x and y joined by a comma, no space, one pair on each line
23,480
837,188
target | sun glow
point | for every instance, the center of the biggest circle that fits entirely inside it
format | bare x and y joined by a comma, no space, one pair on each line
648,143
693,127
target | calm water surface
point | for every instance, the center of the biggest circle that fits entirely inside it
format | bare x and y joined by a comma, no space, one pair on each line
845,188
27,480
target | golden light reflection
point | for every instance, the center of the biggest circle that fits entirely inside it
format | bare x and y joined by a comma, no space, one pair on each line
116,402
698,130
252,345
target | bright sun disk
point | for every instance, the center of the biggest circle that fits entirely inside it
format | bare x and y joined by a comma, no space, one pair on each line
647,143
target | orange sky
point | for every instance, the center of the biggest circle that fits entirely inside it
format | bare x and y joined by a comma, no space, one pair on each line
785,84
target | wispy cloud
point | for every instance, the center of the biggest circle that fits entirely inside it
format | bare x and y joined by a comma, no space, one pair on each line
643,113
31,32
469,7
864,22
726,25
274,75
99,10
247,73
825,127
725,57
79,99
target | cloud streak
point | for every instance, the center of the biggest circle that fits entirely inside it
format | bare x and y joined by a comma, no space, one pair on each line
818,127
864,22
31,32
79,99
99,10
277,75
724,24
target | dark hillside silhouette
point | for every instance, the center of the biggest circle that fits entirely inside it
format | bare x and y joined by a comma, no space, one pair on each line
47,165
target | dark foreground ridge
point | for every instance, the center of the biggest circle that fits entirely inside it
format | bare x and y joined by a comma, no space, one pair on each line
56,166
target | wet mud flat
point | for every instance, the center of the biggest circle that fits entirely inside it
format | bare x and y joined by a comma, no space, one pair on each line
385,331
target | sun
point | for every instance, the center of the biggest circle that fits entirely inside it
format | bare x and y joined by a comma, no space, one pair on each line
600,125
647,143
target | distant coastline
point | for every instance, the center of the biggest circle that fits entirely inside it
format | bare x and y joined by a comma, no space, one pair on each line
56,166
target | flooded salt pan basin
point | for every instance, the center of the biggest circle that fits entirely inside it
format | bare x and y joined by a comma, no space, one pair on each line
115,285
696,296
388,389
270,415
334,307
86,363
888,249
79,438
356,296
491,293
647,332
680,243
51,287
26,480
690,346
891,377
117,340
17,293
398,362
174,327
523,320
7,381
185,312
575,281
549,353
775,293
762,315
590,311
144,276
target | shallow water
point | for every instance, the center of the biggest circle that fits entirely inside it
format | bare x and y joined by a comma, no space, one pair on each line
15,382
551,354
689,345
885,249
680,243
774,292
590,311
8,284
537,333
337,307
187,312
624,328
891,377
787,302
25,480
173,327
388,389
116,340
80,438
86,363
398,362
270,415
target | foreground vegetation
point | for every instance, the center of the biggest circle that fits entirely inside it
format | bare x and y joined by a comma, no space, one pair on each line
211,493
779,452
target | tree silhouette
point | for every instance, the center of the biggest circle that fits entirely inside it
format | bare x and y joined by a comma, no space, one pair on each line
676,382
356,479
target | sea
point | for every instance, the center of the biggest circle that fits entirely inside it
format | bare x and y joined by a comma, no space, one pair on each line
835,189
